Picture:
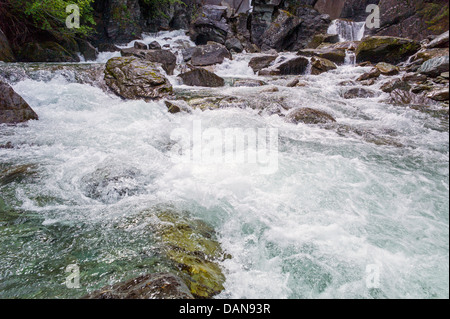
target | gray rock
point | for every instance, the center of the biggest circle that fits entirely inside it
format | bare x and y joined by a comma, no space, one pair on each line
13,108
281,28
210,25
134,78
202,77
209,54
439,95
442,41
167,59
392,85
435,66
233,44
261,62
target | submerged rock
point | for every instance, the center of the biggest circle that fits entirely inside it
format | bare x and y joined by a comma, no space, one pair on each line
309,116
385,49
355,93
152,286
13,108
133,78
202,77
248,83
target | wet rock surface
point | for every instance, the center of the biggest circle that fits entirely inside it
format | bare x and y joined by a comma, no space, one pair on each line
133,78
13,108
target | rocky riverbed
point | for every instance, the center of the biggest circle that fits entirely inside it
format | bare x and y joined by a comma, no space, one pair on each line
87,175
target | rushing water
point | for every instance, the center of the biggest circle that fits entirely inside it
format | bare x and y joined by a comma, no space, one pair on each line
337,206
347,30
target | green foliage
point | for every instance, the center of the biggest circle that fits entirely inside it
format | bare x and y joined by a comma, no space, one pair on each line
50,15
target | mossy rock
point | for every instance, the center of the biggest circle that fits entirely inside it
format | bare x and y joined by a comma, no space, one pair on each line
48,51
194,250
385,49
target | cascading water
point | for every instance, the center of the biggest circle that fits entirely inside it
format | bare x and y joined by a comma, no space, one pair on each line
337,205
347,30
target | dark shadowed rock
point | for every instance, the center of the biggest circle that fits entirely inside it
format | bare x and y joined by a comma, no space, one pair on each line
6,54
134,78
108,47
209,54
293,66
154,45
140,45
210,25
87,50
260,62
202,77
48,51
309,116
385,49
13,108
318,39
280,29
152,286
233,44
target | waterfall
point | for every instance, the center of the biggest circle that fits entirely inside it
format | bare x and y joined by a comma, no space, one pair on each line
347,30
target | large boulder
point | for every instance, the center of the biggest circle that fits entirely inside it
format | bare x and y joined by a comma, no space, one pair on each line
202,77
6,54
13,108
167,59
414,19
435,66
210,25
276,36
385,49
152,286
209,54
134,78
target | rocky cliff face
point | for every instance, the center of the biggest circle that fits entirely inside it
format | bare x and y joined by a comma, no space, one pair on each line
415,19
